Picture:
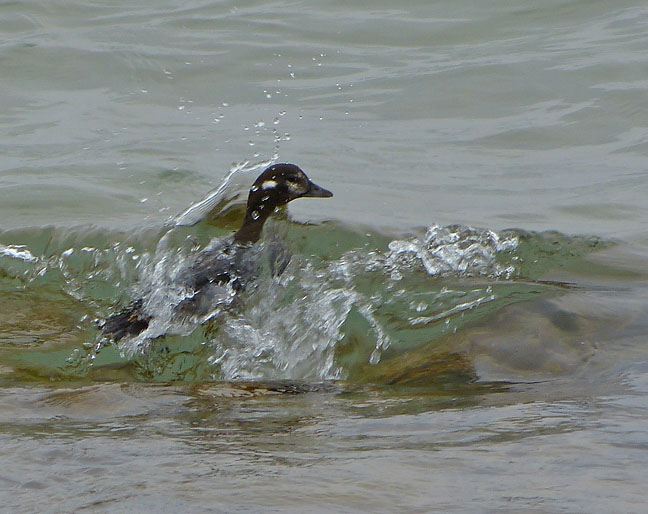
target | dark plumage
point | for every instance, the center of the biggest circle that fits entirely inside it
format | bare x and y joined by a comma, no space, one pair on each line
226,261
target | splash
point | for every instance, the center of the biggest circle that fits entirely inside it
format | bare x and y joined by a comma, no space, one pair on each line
451,250
19,252
325,303
293,325
231,192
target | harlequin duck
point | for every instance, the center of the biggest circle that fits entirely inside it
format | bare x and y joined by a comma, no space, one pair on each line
226,261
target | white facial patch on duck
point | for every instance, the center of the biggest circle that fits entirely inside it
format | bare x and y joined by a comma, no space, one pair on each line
269,184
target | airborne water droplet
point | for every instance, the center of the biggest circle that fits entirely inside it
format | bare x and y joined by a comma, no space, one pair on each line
255,215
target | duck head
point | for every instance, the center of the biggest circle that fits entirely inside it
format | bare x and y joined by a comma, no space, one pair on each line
276,186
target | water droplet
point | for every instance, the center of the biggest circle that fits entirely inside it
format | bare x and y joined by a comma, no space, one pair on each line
255,215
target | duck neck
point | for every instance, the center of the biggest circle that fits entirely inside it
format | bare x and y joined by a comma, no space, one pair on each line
250,231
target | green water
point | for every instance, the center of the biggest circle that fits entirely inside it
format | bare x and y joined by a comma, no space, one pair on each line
350,304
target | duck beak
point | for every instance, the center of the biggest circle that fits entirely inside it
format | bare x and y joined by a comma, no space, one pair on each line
317,191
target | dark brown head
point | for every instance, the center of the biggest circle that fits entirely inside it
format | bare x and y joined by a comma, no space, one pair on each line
276,186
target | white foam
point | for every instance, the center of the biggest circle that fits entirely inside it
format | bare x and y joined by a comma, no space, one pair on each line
17,252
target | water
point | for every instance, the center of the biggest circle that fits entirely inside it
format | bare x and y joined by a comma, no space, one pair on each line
461,328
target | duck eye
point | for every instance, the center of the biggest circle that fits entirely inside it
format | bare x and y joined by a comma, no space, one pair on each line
293,184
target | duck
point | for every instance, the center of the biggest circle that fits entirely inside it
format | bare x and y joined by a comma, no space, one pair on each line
227,261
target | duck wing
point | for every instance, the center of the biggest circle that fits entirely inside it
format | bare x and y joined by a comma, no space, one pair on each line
129,322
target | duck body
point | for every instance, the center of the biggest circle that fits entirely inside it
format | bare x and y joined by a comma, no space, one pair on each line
227,265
